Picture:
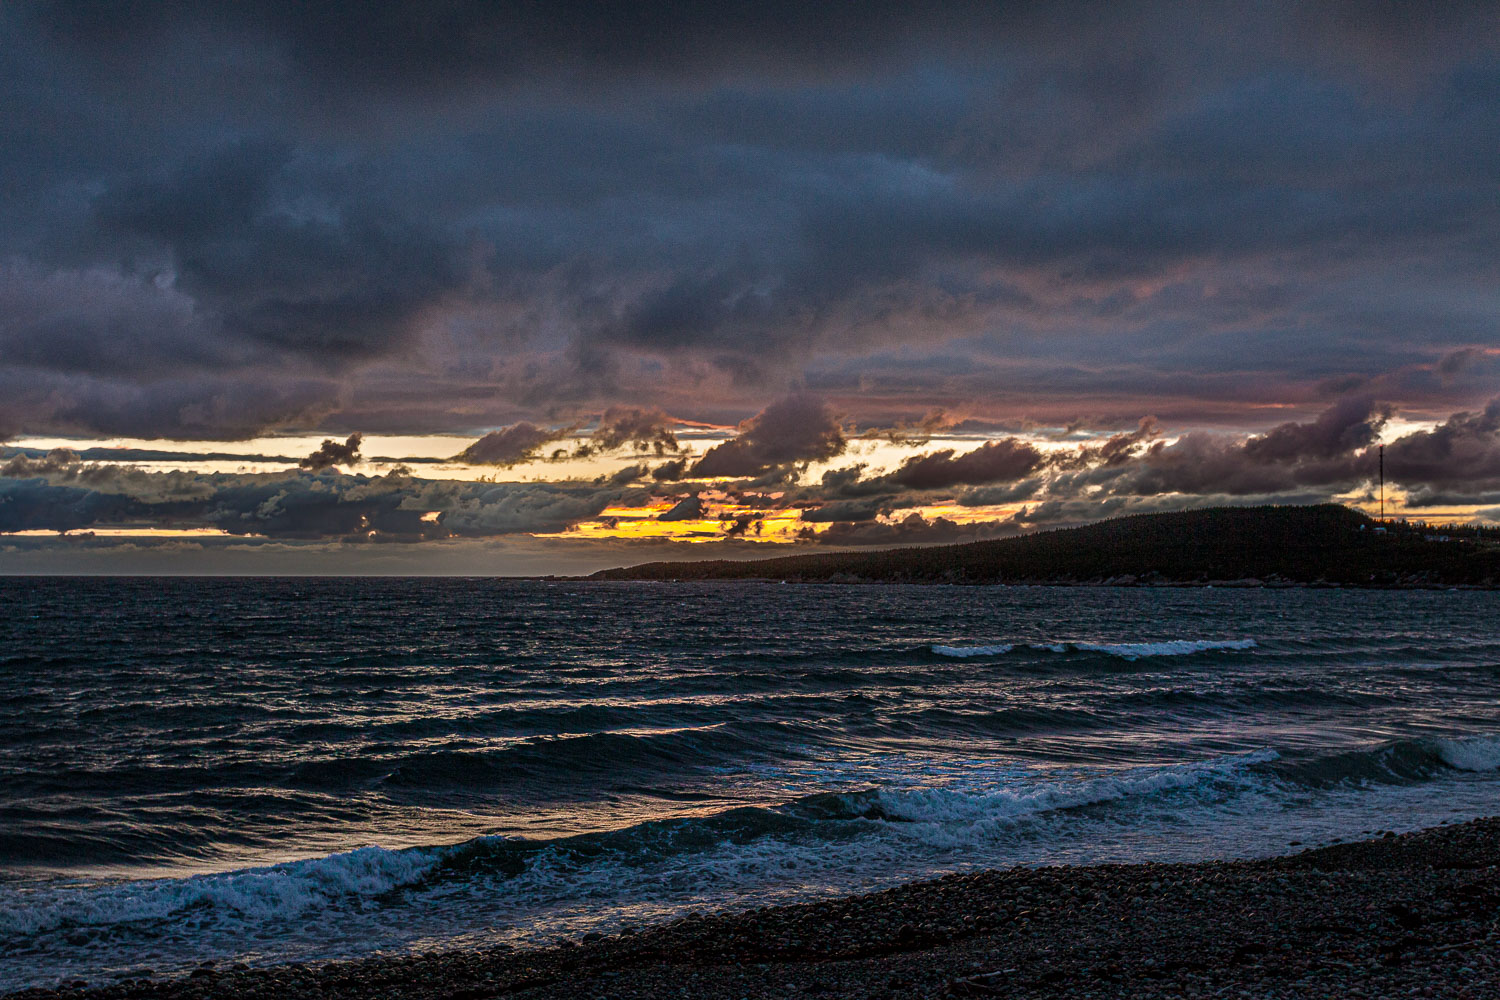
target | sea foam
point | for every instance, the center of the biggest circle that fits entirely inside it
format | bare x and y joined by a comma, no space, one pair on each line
952,807
1124,650
1170,647
964,652
1472,753
278,891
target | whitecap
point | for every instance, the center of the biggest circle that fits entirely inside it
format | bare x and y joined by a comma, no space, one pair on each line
964,652
1471,753
278,891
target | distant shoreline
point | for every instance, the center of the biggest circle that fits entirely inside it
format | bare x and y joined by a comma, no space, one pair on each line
1323,545
1378,917
1064,584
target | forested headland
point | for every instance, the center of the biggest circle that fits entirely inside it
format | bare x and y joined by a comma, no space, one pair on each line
1324,544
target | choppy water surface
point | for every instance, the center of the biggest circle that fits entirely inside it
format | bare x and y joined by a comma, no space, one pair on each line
275,770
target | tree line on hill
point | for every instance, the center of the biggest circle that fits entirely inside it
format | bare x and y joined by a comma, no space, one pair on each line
1324,544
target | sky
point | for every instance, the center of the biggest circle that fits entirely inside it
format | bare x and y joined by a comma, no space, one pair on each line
483,288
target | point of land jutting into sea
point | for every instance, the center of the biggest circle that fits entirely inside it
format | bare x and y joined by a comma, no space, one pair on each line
1322,545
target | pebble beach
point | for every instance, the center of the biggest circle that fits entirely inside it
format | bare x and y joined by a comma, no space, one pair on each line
1416,914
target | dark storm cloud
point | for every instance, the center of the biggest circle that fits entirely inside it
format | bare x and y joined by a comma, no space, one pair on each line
1463,449
25,467
315,508
461,213
1120,448
849,510
1456,361
993,461
98,320
1197,462
687,509
1428,497
458,44
1331,451
628,426
848,483
1335,452
912,432
1025,489
330,453
183,408
85,350
31,504
742,525
287,251
629,474
511,445
1455,462
670,471
58,494
797,428
910,530
1342,428
391,45
62,467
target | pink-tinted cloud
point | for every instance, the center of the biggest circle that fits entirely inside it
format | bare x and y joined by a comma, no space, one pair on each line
797,428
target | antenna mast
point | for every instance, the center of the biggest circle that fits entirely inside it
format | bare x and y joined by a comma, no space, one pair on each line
1382,482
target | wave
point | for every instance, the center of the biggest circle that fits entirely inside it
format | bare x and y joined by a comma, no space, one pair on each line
358,879
964,652
1472,753
551,758
1124,650
1405,761
1171,647
982,817
956,806
277,891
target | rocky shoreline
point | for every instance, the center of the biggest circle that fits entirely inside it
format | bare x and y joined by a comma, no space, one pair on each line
1410,915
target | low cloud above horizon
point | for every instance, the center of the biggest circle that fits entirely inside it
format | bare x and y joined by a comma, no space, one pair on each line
795,475
579,283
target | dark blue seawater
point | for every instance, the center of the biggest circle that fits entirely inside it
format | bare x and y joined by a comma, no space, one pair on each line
276,770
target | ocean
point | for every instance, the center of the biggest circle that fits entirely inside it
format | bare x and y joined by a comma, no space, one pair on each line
279,770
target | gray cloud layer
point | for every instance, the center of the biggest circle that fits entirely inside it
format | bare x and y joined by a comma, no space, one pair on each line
330,454
458,216
1457,461
798,428
511,445
59,494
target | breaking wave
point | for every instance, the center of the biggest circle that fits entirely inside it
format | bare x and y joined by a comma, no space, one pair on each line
874,824
251,894
1473,753
954,807
1124,650
536,763
964,652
